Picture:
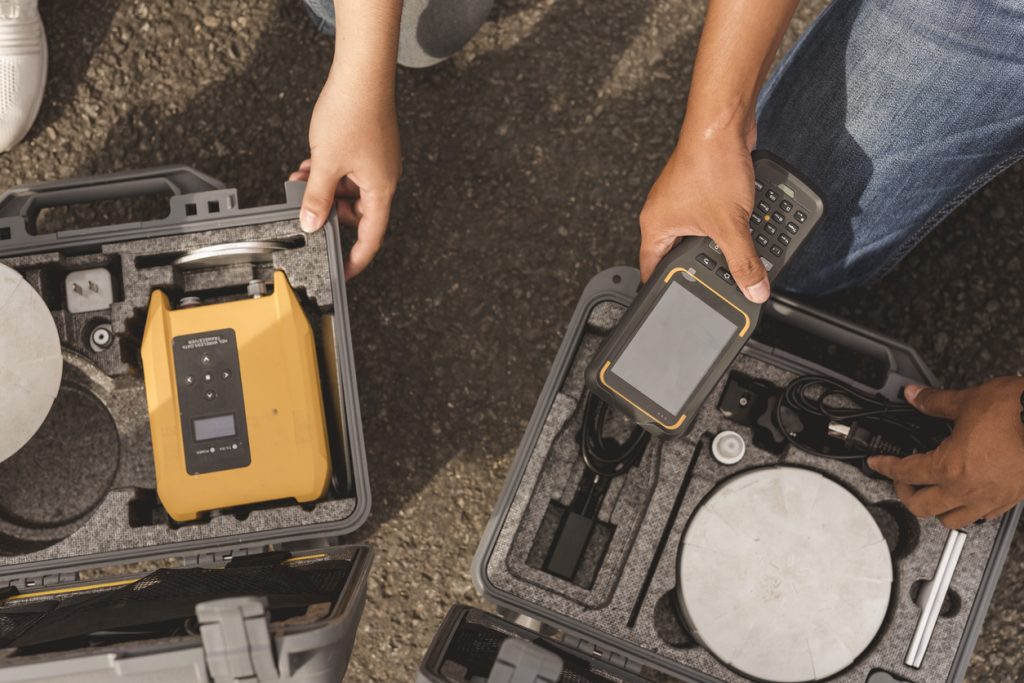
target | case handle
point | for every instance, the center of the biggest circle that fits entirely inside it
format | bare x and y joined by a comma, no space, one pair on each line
903,364
20,206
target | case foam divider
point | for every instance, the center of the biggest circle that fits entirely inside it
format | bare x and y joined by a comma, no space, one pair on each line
107,527
558,479
889,648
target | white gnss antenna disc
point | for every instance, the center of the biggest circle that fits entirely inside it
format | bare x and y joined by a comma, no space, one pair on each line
30,361
784,575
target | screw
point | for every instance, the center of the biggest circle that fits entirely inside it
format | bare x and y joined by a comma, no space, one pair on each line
256,288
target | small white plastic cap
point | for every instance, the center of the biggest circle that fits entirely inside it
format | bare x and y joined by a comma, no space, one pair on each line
728,447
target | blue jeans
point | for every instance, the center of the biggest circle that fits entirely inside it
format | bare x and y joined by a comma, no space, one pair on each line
898,110
322,14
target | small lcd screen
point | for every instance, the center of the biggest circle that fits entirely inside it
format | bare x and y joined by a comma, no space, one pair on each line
219,427
674,348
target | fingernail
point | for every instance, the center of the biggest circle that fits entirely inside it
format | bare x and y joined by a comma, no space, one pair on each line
758,293
308,221
871,461
911,391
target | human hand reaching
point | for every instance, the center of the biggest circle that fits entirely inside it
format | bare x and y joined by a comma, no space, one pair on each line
354,163
978,471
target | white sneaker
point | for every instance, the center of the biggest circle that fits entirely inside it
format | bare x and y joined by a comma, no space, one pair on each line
22,69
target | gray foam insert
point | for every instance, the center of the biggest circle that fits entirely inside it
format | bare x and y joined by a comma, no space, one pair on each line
553,464
114,377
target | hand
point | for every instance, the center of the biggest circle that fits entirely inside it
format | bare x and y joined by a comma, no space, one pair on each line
354,163
706,188
978,471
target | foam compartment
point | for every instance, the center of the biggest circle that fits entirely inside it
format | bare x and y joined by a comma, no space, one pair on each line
113,377
554,463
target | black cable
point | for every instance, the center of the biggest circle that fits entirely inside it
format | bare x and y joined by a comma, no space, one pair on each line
603,455
860,424
604,458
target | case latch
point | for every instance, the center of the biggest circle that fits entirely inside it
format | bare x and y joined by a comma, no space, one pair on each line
520,661
236,639
592,650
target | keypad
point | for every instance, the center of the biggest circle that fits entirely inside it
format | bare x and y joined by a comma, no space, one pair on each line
773,224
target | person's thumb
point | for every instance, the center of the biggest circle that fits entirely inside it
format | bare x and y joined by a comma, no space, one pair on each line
318,198
935,402
745,265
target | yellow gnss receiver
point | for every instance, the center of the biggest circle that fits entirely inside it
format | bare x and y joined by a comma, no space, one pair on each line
235,407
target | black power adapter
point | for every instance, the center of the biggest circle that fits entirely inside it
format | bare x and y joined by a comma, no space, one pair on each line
605,458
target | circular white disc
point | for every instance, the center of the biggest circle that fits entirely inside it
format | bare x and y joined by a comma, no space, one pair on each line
728,447
784,575
30,361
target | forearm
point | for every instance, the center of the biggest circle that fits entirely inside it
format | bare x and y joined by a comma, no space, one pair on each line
366,44
737,47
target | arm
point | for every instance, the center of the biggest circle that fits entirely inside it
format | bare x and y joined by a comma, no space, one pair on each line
353,135
707,186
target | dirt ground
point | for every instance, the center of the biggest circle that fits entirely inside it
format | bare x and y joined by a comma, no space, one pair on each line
527,158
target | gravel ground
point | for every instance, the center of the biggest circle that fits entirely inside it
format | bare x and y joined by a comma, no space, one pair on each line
527,158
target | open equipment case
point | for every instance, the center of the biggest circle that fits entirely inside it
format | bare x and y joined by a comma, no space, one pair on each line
618,618
97,583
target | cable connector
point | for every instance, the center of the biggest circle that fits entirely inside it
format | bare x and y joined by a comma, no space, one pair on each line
858,439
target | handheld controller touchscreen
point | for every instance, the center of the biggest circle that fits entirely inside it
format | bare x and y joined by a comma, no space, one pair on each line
690,320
